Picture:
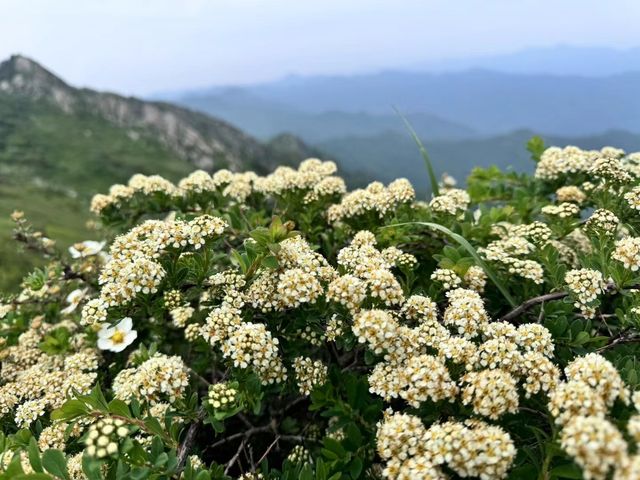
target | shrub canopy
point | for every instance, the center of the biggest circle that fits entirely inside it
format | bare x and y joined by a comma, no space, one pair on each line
239,326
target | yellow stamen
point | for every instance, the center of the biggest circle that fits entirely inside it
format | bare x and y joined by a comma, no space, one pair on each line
117,337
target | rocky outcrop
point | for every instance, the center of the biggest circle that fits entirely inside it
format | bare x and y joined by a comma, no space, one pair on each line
204,141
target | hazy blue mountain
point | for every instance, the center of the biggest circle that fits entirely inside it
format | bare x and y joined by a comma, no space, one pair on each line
555,60
484,102
265,118
391,155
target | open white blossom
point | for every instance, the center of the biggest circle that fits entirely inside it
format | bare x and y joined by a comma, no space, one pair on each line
116,339
86,248
73,300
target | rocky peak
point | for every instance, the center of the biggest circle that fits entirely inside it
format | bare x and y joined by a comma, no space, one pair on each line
204,141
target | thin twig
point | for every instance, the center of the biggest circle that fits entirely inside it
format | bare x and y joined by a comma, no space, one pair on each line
266,452
189,438
620,339
235,457
526,305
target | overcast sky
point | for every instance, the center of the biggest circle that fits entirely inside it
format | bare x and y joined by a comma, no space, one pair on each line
145,46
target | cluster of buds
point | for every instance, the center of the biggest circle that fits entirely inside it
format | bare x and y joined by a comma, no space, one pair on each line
222,396
103,437
24,232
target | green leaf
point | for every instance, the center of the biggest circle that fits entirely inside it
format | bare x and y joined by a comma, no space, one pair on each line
91,468
270,261
32,476
54,462
568,470
435,189
472,251
536,147
118,407
70,410
34,455
355,467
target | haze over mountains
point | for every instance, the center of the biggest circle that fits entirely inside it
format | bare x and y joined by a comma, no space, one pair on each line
573,93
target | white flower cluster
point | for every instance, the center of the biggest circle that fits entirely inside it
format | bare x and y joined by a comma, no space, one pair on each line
237,186
603,222
309,175
556,162
313,178
580,405
448,278
375,199
369,272
252,345
181,315
633,198
159,378
472,449
610,168
510,253
309,374
585,285
627,251
453,202
34,383
133,267
564,210
222,396
138,184
299,279
571,193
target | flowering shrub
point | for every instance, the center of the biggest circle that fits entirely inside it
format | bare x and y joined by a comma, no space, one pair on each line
238,326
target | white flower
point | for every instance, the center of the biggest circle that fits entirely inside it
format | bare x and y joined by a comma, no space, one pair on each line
74,299
86,248
117,338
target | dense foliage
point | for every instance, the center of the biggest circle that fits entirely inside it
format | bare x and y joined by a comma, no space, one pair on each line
239,326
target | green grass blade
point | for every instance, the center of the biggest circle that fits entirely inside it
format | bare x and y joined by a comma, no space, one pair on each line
423,151
472,251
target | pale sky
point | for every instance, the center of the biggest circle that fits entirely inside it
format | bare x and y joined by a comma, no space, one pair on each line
145,46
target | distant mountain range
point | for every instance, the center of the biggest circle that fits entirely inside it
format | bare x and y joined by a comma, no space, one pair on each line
265,118
555,60
479,101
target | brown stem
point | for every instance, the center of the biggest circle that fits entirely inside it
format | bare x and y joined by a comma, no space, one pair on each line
235,457
620,339
189,438
526,305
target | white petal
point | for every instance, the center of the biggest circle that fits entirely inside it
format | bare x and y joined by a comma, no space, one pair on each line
106,331
130,337
105,344
125,324
118,347
69,309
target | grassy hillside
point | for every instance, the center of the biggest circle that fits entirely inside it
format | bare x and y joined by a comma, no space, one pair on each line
51,164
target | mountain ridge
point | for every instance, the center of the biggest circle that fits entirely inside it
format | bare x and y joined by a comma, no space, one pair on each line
204,141
486,102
